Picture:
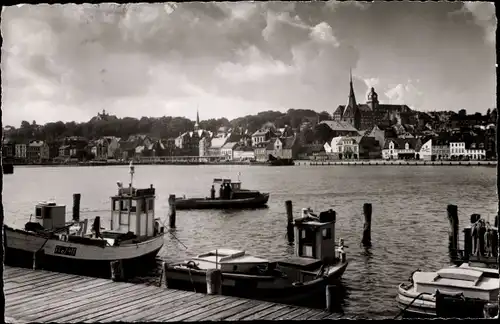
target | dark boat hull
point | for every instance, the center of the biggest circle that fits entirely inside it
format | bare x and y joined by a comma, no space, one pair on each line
203,203
253,287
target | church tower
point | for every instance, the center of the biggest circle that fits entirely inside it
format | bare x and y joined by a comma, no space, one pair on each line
197,124
372,99
351,112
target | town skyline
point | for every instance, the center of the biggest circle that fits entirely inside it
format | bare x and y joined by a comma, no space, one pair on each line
243,58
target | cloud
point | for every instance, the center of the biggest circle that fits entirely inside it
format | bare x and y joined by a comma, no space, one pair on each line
70,61
484,16
407,94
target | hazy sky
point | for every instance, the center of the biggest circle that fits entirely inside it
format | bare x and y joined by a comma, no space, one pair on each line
67,62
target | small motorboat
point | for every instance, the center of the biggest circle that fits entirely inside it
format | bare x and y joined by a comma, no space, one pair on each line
479,284
316,264
134,237
470,286
231,196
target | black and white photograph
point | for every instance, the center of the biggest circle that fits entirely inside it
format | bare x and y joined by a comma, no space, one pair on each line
249,160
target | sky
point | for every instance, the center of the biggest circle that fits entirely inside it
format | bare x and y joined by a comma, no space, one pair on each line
68,62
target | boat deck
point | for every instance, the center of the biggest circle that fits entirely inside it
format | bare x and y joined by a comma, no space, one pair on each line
44,296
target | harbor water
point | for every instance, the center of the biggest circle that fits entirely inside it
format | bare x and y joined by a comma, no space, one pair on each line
409,221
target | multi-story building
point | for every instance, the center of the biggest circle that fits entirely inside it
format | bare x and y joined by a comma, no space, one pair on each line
401,149
37,151
20,151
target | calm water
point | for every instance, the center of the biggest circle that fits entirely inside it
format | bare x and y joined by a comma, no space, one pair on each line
409,225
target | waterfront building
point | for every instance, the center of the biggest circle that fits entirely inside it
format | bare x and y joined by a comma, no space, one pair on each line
243,152
228,149
401,149
37,151
20,150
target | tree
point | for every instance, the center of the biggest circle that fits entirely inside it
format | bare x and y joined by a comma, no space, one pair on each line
462,114
322,133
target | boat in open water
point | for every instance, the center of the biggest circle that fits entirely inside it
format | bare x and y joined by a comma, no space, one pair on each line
316,264
231,196
466,289
134,237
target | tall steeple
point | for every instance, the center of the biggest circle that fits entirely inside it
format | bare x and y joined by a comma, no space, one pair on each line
197,124
352,98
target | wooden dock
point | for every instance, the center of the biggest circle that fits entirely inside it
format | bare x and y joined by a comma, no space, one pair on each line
45,296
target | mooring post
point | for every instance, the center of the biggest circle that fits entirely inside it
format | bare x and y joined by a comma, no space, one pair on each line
367,227
117,273
214,282
329,297
76,207
289,216
171,214
164,280
38,257
453,233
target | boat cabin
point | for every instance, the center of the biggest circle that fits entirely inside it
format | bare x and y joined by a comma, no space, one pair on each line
50,215
315,237
228,260
133,210
235,185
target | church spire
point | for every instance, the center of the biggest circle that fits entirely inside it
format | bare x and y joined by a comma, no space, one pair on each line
197,124
352,98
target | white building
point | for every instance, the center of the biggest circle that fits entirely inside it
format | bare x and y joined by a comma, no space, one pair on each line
332,147
21,150
426,151
458,150
228,149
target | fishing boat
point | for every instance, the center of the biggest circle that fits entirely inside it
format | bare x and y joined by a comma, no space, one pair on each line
231,196
134,236
465,289
316,264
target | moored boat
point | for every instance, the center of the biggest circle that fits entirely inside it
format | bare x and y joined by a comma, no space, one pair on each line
470,288
231,196
316,264
134,236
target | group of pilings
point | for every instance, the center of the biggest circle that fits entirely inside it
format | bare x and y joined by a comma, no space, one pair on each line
475,238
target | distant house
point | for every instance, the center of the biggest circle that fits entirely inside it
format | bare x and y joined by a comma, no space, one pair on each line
260,151
64,151
341,128
227,150
243,152
261,136
401,149
358,147
8,148
216,144
37,151
21,150
283,148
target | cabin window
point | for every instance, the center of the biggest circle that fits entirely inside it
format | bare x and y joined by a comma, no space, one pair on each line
150,204
235,267
327,233
38,212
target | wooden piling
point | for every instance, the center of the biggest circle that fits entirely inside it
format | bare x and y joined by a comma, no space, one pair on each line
329,293
453,233
163,279
172,212
76,207
117,271
367,227
214,282
38,258
289,216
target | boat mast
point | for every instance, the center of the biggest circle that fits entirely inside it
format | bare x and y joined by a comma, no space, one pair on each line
132,170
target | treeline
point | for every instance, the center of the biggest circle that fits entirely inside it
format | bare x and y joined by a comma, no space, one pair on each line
162,127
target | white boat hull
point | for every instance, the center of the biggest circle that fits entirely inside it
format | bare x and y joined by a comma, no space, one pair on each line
22,245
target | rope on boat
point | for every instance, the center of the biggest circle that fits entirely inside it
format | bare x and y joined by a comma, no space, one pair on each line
407,306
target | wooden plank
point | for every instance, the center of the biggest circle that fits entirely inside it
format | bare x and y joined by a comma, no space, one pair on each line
207,311
290,315
276,315
30,277
264,312
305,315
230,312
79,304
142,306
57,294
170,306
55,290
35,283
318,316
168,316
199,309
249,311
333,316
26,274
76,299
110,305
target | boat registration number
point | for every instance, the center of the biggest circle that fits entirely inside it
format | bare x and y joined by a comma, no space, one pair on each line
65,250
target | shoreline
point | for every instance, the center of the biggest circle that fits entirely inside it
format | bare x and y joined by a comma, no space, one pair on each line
297,163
